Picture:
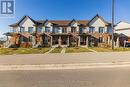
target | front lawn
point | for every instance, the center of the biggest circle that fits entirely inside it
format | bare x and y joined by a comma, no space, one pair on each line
76,50
121,49
100,49
10,51
57,50
6,51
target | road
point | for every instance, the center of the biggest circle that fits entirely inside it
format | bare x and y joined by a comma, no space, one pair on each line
89,57
110,77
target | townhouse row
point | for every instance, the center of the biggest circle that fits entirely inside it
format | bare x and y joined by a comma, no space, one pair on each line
37,33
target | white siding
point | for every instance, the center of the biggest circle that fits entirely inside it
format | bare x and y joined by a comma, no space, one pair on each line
96,23
74,24
123,28
27,23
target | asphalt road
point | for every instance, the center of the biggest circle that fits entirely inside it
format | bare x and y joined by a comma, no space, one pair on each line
111,77
89,57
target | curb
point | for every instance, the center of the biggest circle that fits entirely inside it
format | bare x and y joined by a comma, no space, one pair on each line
63,66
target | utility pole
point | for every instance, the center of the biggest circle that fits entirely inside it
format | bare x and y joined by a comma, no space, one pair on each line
112,25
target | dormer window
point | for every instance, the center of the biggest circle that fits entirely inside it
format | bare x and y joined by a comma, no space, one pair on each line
91,30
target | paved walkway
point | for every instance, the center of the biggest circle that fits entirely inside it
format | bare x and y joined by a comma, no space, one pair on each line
63,50
50,50
63,66
92,50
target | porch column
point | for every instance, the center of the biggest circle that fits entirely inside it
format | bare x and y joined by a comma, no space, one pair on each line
41,41
51,40
87,41
125,43
79,41
103,39
68,41
59,41
108,41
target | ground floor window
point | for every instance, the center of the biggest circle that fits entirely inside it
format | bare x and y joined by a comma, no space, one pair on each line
100,39
30,39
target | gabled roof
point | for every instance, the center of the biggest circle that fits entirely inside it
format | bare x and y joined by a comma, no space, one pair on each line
106,23
122,26
17,24
64,22
59,22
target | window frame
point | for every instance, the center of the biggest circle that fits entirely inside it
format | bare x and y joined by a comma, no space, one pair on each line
30,28
47,29
22,29
101,30
91,29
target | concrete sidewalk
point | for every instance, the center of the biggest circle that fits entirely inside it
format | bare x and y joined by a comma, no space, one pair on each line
63,66
69,58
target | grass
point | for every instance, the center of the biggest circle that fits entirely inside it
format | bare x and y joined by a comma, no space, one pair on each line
10,51
76,50
6,51
99,49
57,50
121,49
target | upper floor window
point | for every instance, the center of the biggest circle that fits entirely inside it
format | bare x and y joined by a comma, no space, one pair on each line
13,30
30,29
73,29
91,30
101,30
39,30
22,29
57,30
64,30
47,29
